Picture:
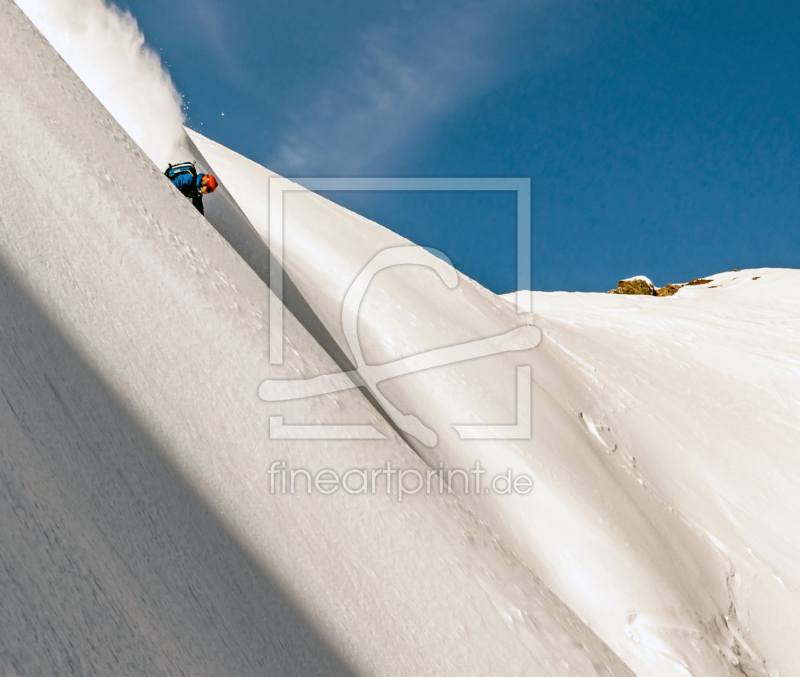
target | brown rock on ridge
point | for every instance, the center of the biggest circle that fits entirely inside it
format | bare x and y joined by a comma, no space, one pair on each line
636,286
643,287
668,290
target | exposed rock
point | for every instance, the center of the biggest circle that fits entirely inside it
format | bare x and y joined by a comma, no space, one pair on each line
668,290
639,285
642,286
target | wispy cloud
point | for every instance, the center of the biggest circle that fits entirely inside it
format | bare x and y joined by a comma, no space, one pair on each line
398,81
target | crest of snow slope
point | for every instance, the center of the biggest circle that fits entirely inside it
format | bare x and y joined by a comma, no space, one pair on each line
126,278
587,530
104,46
696,397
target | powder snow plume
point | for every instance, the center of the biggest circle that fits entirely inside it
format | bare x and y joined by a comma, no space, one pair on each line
105,47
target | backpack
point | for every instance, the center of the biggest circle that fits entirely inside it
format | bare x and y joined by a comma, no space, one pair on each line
180,168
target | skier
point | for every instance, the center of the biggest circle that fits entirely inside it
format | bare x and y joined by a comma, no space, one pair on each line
193,185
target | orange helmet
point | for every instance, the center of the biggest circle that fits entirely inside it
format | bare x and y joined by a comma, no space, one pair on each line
210,183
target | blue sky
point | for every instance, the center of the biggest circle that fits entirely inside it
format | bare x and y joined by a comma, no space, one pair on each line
661,137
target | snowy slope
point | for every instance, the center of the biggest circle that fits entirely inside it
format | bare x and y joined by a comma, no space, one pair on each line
139,531
593,534
696,396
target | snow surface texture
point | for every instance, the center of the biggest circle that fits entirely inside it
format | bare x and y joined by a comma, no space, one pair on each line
104,46
635,569
695,398
139,533
137,515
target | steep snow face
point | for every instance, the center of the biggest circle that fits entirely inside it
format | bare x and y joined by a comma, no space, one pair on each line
588,530
679,550
695,397
133,343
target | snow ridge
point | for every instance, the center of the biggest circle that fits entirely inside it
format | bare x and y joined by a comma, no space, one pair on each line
644,595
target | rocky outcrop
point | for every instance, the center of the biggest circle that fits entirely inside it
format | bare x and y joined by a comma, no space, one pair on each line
635,285
640,285
669,289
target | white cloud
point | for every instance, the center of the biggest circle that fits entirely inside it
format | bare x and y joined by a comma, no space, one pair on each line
400,81
104,46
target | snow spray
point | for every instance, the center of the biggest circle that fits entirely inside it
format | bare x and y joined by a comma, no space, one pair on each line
106,49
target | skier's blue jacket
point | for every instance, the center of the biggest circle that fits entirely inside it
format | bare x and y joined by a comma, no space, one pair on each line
189,185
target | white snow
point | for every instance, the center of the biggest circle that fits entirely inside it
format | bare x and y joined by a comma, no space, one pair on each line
695,396
663,512
639,277
591,530
139,530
